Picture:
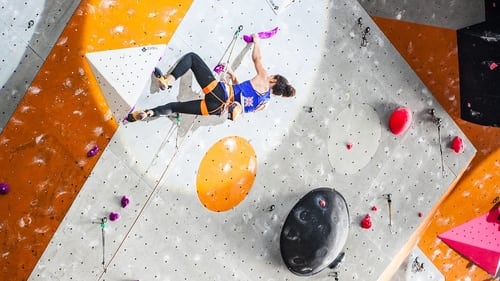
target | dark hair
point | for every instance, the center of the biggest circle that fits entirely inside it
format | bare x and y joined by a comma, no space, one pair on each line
282,87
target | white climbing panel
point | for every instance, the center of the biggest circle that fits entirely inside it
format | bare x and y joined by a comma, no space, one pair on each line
279,5
123,74
421,268
354,138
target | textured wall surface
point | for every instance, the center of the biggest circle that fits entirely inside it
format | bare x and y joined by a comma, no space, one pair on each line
451,14
351,88
29,31
346,92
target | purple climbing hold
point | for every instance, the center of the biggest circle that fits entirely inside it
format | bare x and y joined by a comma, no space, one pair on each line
262,35
93,151
4,188
248,38
114,216
125,201
219,68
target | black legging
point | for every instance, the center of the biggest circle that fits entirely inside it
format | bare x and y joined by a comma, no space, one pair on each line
204,77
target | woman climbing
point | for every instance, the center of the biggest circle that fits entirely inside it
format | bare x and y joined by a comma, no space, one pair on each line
248,96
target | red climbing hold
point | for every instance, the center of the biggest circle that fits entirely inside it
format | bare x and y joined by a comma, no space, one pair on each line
400,120
457,144
374,208
493,66
349,146
366,222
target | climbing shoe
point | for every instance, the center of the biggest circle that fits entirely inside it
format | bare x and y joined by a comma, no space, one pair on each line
162,79
139,115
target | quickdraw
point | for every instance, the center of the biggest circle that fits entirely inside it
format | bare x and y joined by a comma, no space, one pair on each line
221,67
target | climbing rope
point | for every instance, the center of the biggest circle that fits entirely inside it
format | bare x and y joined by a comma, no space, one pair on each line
155,188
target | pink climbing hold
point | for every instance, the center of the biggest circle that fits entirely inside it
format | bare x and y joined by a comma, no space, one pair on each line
457,144
493,65
262,35
322,203
400,120
366,222
4,188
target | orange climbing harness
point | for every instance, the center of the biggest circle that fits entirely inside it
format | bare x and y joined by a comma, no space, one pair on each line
228,106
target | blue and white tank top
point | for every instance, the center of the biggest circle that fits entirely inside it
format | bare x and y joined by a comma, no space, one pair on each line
248,97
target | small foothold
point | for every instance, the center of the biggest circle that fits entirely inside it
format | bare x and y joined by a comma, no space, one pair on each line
93,151
248,38
219,68
366,222
420,214
457,144
271,208
125,201
349,146
374,208
322,203
114,216
4,188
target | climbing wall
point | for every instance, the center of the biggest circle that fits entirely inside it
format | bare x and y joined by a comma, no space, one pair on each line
334,133
160,155
123,74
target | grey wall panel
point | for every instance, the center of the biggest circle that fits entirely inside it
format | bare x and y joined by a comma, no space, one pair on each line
452,14
29,30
